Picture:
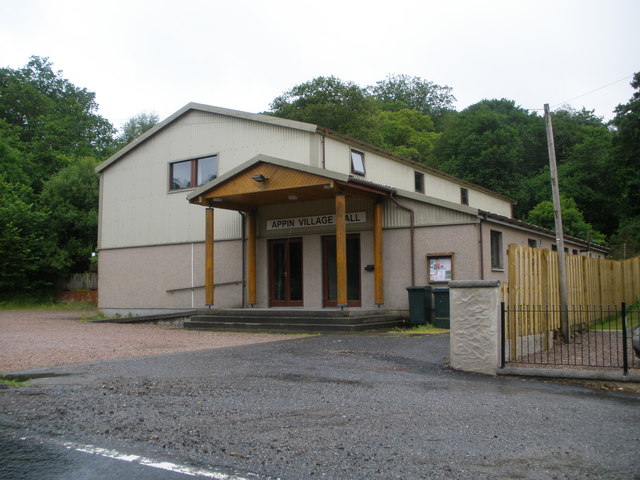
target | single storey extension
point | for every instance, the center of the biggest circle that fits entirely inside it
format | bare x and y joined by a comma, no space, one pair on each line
222,208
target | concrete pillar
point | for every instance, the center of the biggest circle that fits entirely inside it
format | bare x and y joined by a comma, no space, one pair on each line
475,326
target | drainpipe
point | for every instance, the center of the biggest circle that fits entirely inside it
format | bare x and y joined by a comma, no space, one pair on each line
324,149
244,257
412,247
481,245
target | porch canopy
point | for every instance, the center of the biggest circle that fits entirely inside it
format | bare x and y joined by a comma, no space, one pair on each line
266,180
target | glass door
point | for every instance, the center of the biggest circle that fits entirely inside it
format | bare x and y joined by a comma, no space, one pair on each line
330,289
285,272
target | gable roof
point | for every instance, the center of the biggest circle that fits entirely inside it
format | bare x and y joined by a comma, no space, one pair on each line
255,117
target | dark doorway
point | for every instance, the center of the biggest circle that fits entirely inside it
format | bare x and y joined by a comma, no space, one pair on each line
330,290
285,272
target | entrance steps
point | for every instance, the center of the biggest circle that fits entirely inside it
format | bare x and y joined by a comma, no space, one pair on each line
300,320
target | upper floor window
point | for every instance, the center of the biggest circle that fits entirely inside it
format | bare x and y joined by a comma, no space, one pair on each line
357,162
533,243
464,196
192,173
419,182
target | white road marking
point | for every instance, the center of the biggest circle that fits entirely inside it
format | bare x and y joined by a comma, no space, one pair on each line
147,462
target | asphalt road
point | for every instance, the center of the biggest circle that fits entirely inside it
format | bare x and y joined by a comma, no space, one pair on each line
336,407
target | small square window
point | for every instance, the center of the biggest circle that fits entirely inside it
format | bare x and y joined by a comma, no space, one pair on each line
533,243
357,162
419,182
464,196
496,250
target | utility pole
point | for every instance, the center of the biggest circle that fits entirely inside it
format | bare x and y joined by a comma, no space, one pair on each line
557,214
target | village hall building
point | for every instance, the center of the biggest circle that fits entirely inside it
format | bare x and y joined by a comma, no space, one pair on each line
217,208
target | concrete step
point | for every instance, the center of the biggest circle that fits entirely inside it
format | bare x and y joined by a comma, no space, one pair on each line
310,321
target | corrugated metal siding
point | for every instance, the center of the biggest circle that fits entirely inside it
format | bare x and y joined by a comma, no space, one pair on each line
137,210
307,209
424,214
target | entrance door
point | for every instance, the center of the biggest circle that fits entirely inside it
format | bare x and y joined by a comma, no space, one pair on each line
330,287
285,272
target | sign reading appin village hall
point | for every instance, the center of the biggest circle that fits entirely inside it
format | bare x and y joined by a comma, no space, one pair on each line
314,221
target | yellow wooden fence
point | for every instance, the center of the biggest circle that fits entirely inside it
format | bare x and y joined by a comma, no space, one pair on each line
592,284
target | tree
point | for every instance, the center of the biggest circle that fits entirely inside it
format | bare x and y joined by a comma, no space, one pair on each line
71,196
50,133
626,152
398,92
52,117
583,150
134,127
332,103
407,133
573,222
25,247
493,143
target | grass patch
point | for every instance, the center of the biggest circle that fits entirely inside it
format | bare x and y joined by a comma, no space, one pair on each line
426,329
14,383
41,302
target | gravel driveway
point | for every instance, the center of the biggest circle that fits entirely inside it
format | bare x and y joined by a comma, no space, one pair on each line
358,406
43,338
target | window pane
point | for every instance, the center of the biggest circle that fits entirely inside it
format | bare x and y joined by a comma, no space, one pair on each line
180,175
496,249
357,162
419,182
464,196
207,169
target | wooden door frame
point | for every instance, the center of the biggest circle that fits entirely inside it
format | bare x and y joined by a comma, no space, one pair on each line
326,303
284,303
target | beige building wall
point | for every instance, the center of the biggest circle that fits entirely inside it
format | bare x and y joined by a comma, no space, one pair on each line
138,208
400,175
166,278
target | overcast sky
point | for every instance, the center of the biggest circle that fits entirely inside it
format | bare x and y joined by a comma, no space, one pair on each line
156,56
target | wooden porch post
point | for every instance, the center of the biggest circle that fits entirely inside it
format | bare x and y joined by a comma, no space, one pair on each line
251,256
209,271
378,271
341,249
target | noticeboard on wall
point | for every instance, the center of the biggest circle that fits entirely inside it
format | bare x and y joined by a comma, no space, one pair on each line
440,267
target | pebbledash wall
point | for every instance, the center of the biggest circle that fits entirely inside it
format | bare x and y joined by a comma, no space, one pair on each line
151,240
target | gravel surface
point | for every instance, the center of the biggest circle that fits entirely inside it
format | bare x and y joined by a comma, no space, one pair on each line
335,407
42,338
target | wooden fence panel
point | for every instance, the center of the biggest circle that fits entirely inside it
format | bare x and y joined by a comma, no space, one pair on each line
534,283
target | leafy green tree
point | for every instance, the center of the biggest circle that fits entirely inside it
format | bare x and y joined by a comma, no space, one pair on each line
49,133
24,243
573,222
134,127
52,117
626,152
625,242
583,151
493,143
407,133
398,92
71,197
332,103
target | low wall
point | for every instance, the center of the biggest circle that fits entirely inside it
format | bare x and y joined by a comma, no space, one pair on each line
475,326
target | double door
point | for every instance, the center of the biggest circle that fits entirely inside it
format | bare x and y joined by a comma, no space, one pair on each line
286,272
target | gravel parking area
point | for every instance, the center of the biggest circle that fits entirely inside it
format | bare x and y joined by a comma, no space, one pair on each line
44,338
